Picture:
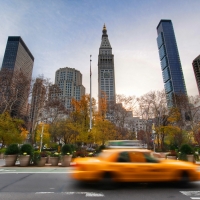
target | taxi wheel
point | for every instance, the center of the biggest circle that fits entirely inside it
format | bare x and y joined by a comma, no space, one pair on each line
107,181
185,179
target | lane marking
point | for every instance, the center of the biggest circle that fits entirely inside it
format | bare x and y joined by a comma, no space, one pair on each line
7,170
15,172
44,192
191,193
87,194
92,194
195,197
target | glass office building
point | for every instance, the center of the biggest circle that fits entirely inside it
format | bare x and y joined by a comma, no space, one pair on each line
196,68
18,59
170,62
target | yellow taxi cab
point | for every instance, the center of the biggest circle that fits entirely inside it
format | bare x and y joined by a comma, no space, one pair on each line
133,165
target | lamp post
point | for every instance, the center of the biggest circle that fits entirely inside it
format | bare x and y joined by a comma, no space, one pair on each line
153,134
41,137
90,94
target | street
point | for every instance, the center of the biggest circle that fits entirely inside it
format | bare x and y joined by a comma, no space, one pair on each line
28,183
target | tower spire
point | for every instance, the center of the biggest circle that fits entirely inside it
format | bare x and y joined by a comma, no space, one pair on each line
104,27
104,30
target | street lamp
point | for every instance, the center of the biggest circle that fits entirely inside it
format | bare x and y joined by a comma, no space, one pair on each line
153,134
41,137
90,94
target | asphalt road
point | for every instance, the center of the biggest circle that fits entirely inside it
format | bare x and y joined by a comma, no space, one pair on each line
19,183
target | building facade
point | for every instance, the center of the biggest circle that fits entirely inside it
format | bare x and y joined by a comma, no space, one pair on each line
69,80
37,102
196,68
18,64
106,73
173,78
17,57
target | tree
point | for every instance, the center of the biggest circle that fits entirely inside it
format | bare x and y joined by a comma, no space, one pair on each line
103,130
11,130
123,109
46,104
14,93
152,108
75,127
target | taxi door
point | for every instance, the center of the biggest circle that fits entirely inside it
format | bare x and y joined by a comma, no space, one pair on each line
147,169
123,167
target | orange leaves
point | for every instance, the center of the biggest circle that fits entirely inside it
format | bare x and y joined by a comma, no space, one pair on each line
174,115
24,133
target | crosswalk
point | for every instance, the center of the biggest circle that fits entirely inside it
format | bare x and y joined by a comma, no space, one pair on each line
192,194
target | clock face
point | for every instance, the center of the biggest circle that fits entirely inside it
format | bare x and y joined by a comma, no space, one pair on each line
106,75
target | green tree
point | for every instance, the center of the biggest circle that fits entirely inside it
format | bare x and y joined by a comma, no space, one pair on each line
103,130
11,130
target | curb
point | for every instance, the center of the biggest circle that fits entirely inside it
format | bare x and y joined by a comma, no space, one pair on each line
46,166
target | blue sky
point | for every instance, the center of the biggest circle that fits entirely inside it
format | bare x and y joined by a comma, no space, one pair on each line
63,33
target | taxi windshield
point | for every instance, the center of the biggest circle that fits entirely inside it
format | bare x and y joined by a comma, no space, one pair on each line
104,155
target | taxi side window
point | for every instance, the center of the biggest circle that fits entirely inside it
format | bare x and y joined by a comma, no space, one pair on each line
137,157
123,157
150,159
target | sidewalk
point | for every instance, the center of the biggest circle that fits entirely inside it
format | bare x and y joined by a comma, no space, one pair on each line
2,164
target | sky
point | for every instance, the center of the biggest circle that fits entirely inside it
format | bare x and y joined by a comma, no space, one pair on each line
64,33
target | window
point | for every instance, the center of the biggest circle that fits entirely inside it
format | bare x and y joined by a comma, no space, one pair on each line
137,157
150,159
123,157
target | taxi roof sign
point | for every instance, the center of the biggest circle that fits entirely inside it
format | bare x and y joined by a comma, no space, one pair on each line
125,144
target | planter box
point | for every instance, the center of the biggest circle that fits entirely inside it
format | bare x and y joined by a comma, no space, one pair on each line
172,157
190,158
54,161
24,160
1,155
48,159
41,162
10,160
66,160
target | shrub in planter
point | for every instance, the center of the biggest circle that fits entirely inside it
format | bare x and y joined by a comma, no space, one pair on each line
66,153
66,149
37,156
54,158
185,150
11,154
172,150
26,153
12,149
26,148
55,154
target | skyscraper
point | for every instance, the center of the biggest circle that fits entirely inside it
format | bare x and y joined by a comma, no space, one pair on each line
170,62
18,64
106,73
196,68
69,80
37,102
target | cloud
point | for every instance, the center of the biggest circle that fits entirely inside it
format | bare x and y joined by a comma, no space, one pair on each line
64,33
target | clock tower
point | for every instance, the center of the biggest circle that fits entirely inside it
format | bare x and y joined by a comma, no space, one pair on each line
106,75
